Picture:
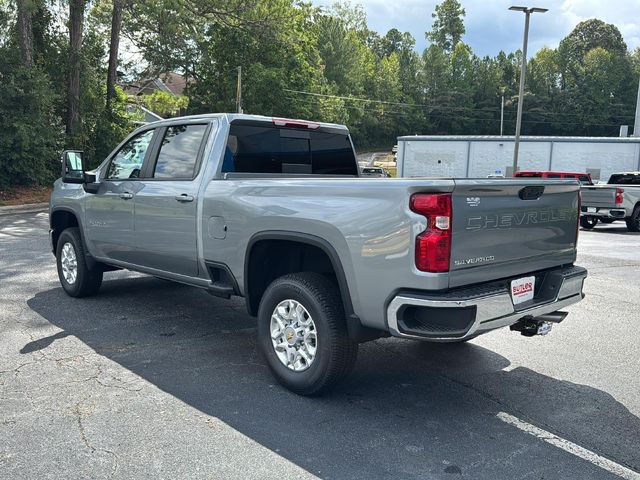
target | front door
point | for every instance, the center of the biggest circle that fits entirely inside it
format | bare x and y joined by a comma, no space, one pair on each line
166,206
110,212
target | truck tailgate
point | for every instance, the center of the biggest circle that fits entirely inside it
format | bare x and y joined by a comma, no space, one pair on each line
511,227
600,196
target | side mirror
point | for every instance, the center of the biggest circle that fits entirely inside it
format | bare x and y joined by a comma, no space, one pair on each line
73,171
72,166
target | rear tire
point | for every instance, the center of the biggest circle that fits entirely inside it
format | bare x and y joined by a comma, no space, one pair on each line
633,222
76,278
289,307
588,222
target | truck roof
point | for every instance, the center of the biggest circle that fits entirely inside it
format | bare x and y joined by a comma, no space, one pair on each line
243,116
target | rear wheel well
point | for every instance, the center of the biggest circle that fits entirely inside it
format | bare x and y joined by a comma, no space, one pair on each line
61,220
273,258
271,255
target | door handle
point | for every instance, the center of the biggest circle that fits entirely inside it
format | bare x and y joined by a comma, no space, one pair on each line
126,196
184,198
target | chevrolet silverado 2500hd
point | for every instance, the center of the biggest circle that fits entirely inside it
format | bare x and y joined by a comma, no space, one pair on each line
273,210
619,199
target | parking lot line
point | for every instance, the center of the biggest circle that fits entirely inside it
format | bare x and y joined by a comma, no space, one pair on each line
567,446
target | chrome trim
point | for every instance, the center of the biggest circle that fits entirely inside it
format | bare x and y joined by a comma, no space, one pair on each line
492,311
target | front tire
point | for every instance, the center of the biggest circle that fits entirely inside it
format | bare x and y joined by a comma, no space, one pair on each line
303,334
633,222
76,278
588,222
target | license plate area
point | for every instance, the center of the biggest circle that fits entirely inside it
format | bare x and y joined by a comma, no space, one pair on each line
522,289
591,209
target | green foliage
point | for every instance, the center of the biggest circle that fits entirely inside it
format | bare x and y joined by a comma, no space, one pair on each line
448,26
163,103
110,127
31,134
300,61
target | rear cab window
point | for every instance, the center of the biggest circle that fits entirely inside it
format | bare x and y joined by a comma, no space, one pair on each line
260,147
625,179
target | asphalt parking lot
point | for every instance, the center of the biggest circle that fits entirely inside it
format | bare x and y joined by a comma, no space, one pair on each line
156,380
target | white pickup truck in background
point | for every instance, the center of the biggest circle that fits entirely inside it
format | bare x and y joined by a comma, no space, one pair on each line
619,199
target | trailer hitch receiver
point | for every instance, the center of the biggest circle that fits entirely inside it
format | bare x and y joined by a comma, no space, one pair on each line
530,326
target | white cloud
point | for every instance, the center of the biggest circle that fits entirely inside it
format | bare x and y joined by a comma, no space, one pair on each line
491,27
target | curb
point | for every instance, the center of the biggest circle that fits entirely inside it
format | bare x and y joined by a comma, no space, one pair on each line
26,208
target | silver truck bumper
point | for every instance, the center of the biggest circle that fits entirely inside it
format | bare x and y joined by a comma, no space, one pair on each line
479,313
617,213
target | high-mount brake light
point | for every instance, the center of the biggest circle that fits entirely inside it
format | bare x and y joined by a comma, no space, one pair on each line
286,122
433,245
619,192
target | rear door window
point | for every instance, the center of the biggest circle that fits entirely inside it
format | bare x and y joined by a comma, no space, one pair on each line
178,156
255,148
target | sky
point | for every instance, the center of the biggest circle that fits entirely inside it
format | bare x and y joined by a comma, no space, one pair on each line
492,27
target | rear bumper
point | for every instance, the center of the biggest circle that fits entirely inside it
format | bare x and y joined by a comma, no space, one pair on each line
470,311
618,213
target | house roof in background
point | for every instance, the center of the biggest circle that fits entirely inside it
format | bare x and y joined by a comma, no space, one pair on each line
170,82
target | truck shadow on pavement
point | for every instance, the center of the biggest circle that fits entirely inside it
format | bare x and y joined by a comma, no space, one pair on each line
409,409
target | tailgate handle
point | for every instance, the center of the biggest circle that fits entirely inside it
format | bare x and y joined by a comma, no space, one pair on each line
532,192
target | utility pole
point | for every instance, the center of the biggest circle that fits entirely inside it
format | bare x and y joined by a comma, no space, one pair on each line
523,71
636,123
502,114
239,91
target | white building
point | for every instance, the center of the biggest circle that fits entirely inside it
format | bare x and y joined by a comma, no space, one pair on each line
479,156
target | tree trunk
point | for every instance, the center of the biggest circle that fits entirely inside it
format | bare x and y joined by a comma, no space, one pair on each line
25,32
112,72
76,25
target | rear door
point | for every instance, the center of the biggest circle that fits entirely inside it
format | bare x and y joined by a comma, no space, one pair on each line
511,227
166,205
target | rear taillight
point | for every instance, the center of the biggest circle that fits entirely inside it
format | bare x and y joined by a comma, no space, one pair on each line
433,246
619,192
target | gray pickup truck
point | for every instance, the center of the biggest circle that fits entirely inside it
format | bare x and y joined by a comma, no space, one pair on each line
272,210
619,199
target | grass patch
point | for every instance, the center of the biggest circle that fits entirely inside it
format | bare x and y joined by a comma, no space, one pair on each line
24,195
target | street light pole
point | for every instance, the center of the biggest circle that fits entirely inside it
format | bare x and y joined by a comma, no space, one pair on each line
502,115
523,71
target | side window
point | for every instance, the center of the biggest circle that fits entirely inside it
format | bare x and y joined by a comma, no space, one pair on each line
179,151
128,161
